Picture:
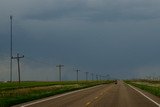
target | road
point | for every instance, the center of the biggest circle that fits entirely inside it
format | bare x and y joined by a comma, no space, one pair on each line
109,95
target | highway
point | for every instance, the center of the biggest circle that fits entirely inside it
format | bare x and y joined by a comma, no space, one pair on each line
108,95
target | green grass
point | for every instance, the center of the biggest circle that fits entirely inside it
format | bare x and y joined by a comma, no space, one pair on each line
148,81
16,85
149,88
15,93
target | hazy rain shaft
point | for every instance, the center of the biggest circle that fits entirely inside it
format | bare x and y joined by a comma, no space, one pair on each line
115,37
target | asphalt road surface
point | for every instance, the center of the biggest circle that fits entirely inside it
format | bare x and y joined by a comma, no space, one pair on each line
109,95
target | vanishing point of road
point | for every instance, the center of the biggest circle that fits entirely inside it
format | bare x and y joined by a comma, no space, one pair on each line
108,95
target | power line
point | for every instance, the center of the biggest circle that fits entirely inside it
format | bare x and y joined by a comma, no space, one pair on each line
18,57
37,61
60,69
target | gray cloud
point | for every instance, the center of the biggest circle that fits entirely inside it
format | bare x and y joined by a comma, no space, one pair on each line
116,37
93,10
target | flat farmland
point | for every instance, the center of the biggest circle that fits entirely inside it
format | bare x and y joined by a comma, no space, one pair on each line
16,93
152,87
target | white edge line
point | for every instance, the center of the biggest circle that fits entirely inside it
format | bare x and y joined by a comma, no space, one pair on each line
54,97
144,95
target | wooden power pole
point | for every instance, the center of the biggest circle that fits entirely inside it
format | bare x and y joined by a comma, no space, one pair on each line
60,67
77,73
18,58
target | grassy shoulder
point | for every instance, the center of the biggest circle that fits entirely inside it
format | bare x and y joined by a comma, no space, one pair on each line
14,93
151,87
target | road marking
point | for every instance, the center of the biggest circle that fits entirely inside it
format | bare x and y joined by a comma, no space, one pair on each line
88,103
54,97
95,97
145,95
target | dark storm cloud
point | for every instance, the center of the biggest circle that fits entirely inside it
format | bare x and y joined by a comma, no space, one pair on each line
117,37
93,10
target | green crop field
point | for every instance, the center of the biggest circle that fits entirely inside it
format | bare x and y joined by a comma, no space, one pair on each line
152,87
15,93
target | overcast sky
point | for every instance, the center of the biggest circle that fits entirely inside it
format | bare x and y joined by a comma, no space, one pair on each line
116,37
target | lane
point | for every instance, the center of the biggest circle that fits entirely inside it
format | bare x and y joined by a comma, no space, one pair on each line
77,99
122,96
109,95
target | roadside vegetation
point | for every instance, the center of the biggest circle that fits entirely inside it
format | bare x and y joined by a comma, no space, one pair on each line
15,93
150,86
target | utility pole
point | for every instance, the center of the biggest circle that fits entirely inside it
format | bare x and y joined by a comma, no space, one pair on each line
60,66
18,57
92,76
77,73
97,77
11,48
86,76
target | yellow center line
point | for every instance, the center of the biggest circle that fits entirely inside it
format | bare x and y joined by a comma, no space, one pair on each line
95,97
88,103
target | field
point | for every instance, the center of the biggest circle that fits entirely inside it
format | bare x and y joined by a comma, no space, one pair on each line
15,93
152,87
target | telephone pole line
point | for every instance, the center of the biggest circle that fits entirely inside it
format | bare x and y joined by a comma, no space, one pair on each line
11,48
18,57
60,67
